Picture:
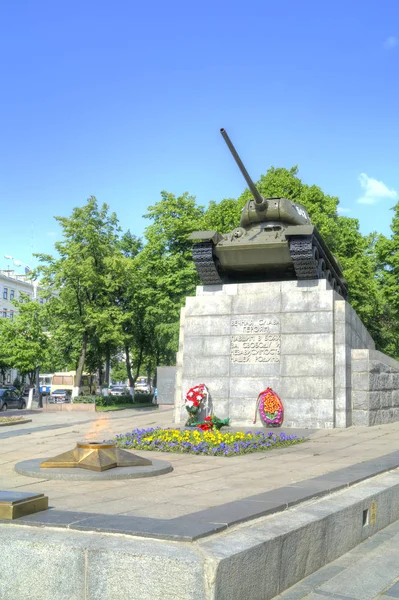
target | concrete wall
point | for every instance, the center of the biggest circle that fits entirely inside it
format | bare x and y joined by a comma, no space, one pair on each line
69,407
253,561
166,385
375,388
306,332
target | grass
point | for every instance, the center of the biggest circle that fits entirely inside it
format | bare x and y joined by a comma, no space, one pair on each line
211,443
10,419
6,421
125,405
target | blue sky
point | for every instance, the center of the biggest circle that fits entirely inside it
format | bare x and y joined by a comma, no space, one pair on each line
123,99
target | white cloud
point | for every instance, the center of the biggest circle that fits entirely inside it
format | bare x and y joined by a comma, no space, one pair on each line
342,209
374,190
51,233
391,42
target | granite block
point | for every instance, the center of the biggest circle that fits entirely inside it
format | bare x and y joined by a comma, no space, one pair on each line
255,556
194,346
55,569
132,572
255,369
242,410
307,387
241,387
306,413
306,300
216,346
271,288
206,366
207,325
256,303
306,343
317,365
204,306
360,365
360,382
307,322
302,552
360,400
360,418
217,386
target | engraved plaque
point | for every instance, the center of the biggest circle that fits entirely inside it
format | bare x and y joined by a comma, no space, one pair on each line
258,324
373,513
262,348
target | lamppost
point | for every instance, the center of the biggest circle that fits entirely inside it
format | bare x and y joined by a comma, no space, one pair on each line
19,263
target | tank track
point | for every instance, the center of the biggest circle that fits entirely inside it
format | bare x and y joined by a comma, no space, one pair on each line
205,263
306,266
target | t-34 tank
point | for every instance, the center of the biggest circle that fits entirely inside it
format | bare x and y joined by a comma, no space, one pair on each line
275,241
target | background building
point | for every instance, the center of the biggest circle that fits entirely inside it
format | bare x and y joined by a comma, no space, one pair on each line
13,286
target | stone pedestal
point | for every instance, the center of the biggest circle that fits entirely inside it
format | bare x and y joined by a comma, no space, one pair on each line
293,336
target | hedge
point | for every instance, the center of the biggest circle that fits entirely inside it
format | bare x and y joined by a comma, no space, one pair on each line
114,400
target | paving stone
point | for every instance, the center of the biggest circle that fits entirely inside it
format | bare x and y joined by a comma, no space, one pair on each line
181,528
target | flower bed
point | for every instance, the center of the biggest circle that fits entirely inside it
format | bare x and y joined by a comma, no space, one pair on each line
211,443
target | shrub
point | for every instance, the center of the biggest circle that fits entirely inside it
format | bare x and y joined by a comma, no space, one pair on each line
86,399
114,400
143,398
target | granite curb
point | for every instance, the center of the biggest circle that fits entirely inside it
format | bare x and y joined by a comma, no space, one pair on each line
194,526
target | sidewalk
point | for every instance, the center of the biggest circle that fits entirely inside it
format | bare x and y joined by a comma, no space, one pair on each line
197,482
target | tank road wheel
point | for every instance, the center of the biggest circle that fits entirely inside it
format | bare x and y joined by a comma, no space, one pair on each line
339,290
329,276
206,264
322,268
305,257
334,284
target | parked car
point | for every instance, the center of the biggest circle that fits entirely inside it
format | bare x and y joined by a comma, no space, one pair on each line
118,390
11,399
60,396
142,386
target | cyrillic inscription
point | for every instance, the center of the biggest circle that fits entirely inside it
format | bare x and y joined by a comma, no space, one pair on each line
266,324
264,348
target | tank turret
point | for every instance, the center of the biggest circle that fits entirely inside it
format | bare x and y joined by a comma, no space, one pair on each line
274,241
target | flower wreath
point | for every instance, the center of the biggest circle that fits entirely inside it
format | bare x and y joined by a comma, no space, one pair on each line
192,402
194,397
271,408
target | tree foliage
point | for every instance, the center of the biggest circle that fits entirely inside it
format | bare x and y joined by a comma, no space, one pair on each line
24,341
114,295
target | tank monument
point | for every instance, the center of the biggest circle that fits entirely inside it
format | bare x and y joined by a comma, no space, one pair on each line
272,311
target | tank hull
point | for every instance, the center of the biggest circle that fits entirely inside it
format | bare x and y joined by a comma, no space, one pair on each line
264,252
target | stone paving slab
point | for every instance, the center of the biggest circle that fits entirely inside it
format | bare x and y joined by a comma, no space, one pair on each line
197,482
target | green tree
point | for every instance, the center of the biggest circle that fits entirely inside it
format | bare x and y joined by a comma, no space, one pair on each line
387,252
78,280
24,343
163,275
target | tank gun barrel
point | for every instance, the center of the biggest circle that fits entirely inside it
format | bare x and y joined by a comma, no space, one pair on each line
259,200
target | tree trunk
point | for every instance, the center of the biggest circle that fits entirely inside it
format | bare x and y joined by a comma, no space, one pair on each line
129,366
107,366
82,360
100,376
140,360
37,382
